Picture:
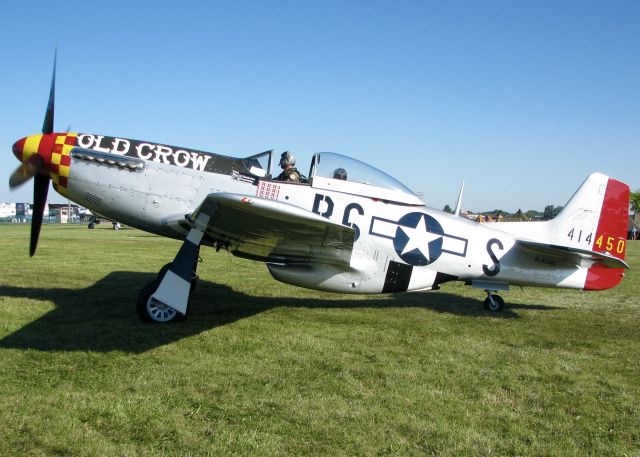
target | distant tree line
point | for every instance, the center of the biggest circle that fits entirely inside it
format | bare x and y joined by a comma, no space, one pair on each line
494,214
634,198
550,211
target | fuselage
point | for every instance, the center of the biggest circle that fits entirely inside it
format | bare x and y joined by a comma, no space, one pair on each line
400,244
142,184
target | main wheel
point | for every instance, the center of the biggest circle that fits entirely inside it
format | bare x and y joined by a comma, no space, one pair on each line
151,311
494,303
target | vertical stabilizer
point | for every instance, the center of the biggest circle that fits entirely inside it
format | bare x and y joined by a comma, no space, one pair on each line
596,218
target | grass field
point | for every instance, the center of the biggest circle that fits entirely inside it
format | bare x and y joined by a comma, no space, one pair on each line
262,368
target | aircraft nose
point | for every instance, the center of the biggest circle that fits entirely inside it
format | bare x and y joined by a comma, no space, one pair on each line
39,144
18,148
47,154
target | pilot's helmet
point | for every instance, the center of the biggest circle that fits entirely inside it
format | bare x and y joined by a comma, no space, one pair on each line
340,173
287,158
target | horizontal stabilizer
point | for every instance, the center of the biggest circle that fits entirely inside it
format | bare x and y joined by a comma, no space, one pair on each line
555,250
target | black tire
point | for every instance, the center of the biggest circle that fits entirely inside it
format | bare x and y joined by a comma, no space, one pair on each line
143,298
496,306
162,272
194,284
91,225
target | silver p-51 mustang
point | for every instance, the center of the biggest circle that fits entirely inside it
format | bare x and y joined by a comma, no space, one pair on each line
354,231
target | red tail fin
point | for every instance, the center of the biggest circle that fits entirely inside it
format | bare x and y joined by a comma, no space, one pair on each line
611,235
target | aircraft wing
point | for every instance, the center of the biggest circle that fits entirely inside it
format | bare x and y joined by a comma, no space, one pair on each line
274,231
555,250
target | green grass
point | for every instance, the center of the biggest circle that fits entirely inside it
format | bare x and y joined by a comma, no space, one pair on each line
262,368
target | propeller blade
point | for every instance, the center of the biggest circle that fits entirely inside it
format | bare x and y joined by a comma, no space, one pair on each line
47,126
40,190
25,171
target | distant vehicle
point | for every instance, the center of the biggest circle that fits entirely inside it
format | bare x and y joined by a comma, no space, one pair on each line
366,234
97,219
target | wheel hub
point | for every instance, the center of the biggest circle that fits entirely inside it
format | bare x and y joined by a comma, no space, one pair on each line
160,312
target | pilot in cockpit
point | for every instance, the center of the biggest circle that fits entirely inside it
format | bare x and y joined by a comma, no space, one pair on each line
340,173
289,172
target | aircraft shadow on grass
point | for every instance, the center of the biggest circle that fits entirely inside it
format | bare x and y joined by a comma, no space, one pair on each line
91,320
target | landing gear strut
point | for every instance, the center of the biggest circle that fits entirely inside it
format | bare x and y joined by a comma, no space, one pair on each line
166,299
493,302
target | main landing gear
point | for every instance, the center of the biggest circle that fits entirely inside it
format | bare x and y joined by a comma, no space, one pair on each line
166,299
493,302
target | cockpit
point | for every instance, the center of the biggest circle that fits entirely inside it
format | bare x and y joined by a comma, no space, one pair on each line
344,174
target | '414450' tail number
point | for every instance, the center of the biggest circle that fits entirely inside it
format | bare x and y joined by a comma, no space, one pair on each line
607,243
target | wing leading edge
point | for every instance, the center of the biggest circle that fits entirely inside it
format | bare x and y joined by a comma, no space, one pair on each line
274,231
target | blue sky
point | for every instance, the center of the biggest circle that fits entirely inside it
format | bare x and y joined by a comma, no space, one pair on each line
520,99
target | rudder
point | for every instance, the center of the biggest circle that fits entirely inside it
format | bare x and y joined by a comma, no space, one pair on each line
610,236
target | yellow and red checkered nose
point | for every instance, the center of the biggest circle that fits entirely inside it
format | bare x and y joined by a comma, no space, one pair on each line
53,148
18,147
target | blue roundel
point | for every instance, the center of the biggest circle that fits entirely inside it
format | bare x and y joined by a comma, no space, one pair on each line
418,239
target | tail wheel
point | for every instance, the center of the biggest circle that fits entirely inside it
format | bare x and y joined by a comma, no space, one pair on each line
494,303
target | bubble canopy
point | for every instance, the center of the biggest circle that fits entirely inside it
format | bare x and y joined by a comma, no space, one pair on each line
345,174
